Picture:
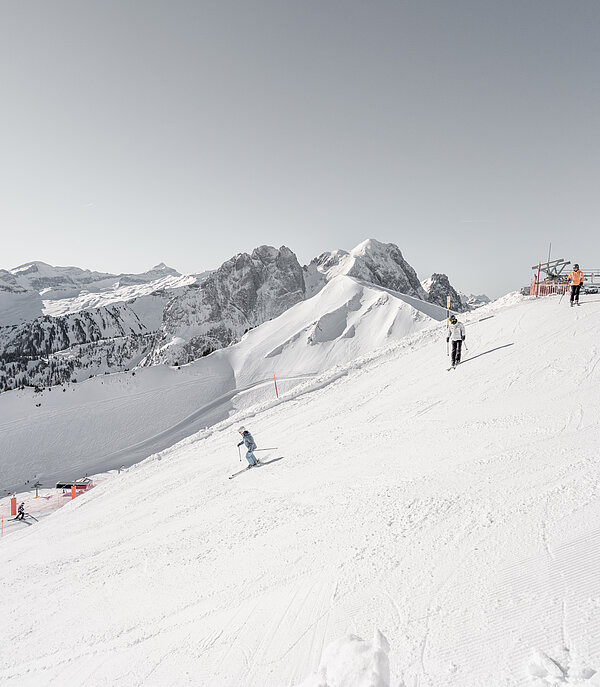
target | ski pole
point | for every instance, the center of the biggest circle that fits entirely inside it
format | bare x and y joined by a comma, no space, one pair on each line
273,448
240,454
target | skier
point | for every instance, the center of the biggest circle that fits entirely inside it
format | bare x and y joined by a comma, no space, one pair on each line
576,279
21,513
456,333
250,445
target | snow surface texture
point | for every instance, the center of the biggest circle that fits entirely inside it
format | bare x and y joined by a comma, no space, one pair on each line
454,512
41,433
352,662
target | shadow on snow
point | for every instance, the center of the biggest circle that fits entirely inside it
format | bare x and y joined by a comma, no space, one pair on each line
468,360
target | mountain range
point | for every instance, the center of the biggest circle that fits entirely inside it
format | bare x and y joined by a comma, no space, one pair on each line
65,324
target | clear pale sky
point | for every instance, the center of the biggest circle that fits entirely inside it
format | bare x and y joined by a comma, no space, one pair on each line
185,131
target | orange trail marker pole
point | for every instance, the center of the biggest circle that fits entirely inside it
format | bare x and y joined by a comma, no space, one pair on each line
2,530
73,492
276,392
13,505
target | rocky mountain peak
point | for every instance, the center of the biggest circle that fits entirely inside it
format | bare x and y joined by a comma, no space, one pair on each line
438,288
245,291
372,261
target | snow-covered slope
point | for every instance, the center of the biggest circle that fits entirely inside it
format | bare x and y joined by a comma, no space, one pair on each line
151,409
456,512
18,305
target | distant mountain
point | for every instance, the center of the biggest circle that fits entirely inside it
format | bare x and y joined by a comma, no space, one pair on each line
438,288
371,261
36,289
53,350
39,276
61,324
46,279
475,301
244,292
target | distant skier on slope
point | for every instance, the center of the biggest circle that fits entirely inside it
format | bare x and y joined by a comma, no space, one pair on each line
576,280
456,334
21,513
250,445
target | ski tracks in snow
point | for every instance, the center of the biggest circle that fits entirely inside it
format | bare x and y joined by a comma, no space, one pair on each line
280,630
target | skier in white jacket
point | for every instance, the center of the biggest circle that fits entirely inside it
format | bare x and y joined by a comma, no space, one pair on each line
456,334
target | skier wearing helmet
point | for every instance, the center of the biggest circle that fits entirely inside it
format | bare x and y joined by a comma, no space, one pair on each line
250,445
456,334
576,280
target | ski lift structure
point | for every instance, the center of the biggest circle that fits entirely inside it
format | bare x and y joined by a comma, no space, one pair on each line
555,279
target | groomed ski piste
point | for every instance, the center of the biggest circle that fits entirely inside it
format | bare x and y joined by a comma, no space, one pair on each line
118,419
420,528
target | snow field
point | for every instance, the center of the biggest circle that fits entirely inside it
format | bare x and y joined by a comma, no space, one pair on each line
456,513
119,419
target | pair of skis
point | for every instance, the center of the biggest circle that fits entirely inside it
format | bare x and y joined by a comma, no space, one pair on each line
239,472
258,465
27,515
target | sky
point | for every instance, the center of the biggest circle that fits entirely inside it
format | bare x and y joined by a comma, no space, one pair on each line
186,131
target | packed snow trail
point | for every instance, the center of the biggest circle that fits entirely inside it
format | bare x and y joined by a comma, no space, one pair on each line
456,514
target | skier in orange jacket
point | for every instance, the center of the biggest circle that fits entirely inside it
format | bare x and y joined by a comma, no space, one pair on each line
576,279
